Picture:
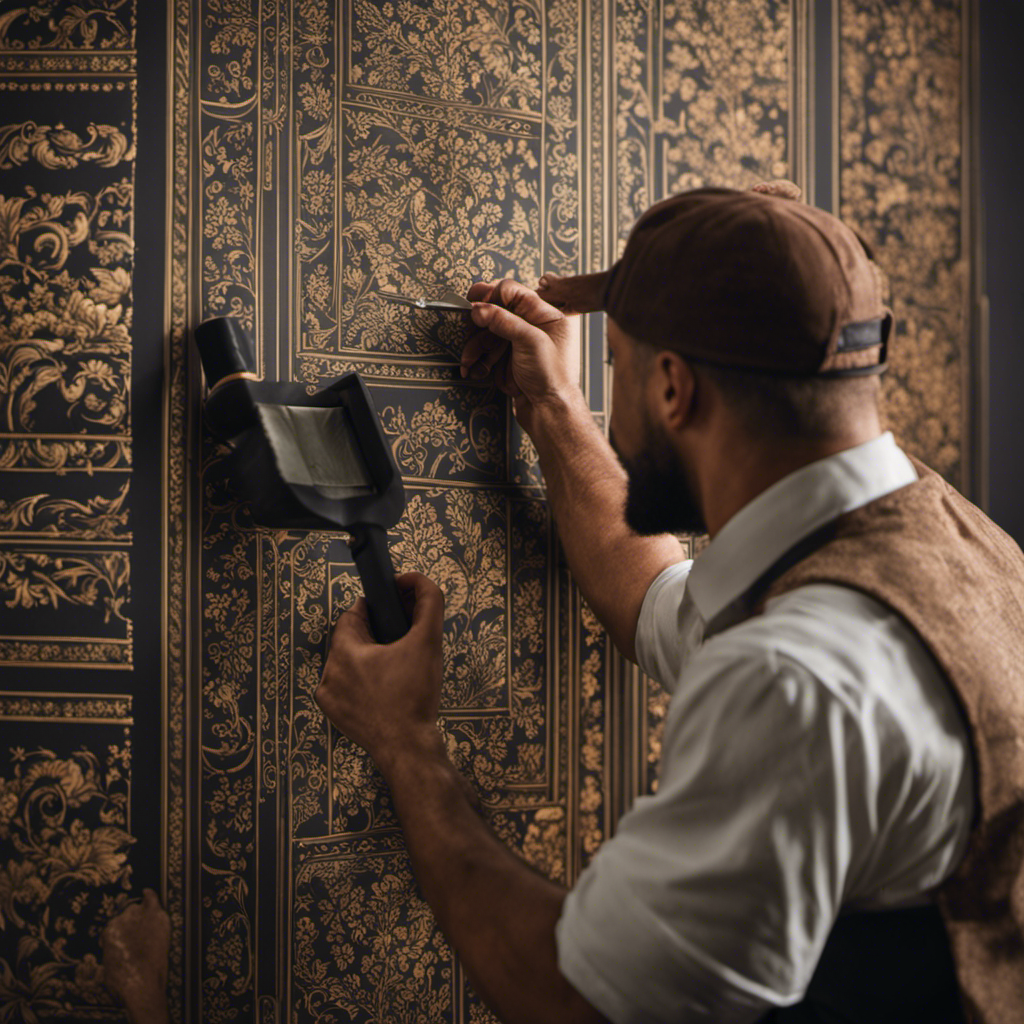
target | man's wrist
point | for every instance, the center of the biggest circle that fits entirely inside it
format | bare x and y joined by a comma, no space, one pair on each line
423,756
416,746
557,407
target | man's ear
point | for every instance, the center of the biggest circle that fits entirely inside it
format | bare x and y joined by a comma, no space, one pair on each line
672,390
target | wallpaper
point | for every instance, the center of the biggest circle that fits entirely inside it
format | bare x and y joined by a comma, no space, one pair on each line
67,155
294,159
902,185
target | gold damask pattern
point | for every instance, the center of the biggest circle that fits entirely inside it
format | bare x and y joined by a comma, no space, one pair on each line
65,337
49,25
39,579
456,173
67,154
66,837
96,518
902,186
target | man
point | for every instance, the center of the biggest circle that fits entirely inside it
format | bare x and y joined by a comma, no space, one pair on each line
843,739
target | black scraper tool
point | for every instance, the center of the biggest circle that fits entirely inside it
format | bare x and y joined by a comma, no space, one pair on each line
315,462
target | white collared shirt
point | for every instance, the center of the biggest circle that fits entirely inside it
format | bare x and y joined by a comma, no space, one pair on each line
813,759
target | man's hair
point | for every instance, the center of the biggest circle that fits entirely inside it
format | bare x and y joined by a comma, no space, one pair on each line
804,408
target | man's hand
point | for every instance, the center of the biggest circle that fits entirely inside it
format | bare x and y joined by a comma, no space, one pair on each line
385,696
135,950
532,348
498,914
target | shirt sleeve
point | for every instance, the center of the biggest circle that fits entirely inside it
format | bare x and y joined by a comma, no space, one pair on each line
661,629
715,897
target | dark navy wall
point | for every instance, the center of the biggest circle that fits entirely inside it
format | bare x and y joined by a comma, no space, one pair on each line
1002,185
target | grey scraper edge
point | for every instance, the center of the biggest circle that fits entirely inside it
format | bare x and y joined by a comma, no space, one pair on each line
317,447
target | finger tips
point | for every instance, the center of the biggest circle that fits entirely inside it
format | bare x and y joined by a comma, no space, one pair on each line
482,313
471,351
428,612
359,618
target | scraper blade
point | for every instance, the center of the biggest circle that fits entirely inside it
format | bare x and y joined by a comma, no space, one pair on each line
316,447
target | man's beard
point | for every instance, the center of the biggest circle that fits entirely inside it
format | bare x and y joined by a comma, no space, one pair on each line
659,499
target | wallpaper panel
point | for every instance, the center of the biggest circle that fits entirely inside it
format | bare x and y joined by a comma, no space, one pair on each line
408,148
902,184
68,94
318,152
66,206
65,828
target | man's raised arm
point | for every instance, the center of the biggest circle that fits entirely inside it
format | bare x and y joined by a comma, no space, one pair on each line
533,351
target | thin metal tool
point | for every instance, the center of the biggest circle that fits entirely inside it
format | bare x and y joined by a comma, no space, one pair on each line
450,302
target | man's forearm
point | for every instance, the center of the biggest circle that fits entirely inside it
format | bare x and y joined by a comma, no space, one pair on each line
498,913
586,489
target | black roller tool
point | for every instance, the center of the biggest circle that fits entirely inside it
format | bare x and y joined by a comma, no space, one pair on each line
315,462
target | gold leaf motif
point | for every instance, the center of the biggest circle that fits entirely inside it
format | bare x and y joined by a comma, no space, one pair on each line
725,93
366,944
56,25
59,147
63,831
98,518
60,343
38,580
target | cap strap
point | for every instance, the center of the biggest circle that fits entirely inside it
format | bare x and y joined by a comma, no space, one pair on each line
866,334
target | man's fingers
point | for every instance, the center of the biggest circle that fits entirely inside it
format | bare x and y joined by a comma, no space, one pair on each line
480,354
504,379
524,302
354,624
428,602
780,187
486,348
481,291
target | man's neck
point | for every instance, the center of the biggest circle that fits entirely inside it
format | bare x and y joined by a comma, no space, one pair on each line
742,471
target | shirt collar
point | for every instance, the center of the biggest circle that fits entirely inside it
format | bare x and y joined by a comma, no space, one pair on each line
793,507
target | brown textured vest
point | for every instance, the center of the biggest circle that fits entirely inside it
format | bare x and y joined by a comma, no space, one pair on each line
958,580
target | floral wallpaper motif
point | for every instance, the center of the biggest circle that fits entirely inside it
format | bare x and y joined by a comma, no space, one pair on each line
66,313
435,150
724,87
67,208
59,25
36,579
64,341
902,186
96,518
365,946
64,862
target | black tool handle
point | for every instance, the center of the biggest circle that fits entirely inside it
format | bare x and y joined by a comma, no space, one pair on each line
388,620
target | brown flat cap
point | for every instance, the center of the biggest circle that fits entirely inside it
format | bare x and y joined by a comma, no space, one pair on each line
754,281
